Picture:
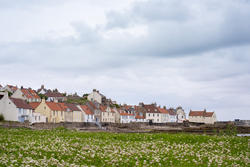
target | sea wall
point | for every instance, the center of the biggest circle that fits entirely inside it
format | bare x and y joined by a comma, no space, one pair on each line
219,127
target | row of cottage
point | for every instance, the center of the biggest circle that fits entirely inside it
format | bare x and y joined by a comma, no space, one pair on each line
26,105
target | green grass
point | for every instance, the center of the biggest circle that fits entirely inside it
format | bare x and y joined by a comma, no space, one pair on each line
60,147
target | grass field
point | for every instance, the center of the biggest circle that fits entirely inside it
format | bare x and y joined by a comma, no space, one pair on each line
22,147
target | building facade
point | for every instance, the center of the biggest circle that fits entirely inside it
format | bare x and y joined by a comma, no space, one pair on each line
26,94
202,117
180,115
96,96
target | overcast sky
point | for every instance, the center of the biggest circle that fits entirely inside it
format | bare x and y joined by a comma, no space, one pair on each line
174,52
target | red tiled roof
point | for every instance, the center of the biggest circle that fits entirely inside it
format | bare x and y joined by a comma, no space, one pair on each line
126,114
209,114
139,117
72,107
171,112
56,106
123,112
103,108
53,94
127,107
151,108
92,104
34,105
197,113
63,106
20,103
162,110
86,109
29,93
13,88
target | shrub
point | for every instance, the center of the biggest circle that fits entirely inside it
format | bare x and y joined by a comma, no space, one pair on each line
1,117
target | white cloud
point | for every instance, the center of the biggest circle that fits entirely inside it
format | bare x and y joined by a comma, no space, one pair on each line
195,54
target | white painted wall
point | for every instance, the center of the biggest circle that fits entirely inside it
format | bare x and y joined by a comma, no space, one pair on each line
88,117
18,94
127,118
155,117
210,120
108,117
77,116
95,96
141,120
8,108
181,116
6,88
172,118
37,118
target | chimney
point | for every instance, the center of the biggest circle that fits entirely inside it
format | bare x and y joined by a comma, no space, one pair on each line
141,104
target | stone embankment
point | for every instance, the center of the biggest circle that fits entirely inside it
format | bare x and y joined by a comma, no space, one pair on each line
219,127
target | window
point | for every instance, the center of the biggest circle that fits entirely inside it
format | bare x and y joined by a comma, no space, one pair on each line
153,115
149,115
54,113
44,107
61,113
158,115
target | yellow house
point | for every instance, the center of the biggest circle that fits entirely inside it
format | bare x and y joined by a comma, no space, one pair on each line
107,114
53,111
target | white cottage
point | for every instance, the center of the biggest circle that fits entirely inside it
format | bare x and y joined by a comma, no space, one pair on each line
164,115
88,115
172,115
9,88
107,114
152,113
15,109
95,96
26,94
76,112
202,117
126,116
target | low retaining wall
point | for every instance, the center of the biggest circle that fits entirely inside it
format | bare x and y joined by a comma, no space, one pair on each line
136,127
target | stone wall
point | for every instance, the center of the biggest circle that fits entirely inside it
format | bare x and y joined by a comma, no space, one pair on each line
135,127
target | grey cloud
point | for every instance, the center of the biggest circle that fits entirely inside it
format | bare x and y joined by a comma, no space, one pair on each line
149,11
199,30
193,55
